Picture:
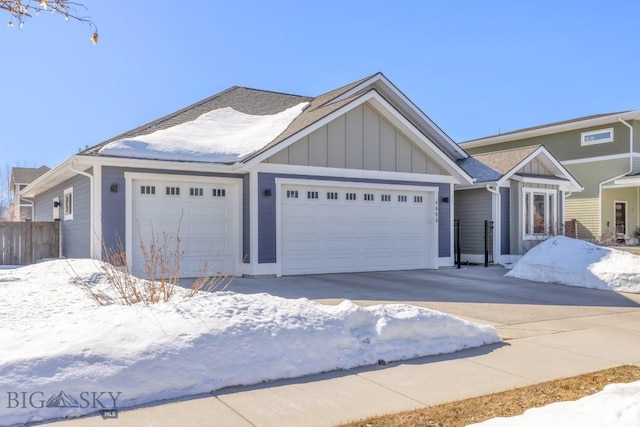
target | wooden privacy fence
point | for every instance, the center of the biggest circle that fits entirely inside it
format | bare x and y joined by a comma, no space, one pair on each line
23,243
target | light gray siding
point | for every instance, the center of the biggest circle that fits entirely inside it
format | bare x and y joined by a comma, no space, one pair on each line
76,232
359,139
473,208
246,218
267,211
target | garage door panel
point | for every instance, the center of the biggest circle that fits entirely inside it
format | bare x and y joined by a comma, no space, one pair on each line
208,225
339,235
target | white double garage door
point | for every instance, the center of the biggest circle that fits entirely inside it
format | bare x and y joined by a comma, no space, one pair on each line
320,227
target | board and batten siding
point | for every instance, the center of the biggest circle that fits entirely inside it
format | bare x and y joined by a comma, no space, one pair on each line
536,167
76,242
473,208
566,145
267,211
359,139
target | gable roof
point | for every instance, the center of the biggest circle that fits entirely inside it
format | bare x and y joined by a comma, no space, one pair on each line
551,128
496,167
27,175
260,102
504,161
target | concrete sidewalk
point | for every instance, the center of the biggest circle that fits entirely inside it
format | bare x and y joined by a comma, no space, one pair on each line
550,331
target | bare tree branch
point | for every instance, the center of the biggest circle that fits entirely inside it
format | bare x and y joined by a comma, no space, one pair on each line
21,10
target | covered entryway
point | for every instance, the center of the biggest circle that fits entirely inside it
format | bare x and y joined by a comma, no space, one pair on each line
204,212
329,229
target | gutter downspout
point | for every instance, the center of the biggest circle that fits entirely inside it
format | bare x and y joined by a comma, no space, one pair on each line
630,171
497,225
91,208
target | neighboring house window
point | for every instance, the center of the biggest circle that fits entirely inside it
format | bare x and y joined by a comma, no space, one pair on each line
596,137
539,212
68,204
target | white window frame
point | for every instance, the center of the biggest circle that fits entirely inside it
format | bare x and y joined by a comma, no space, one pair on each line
68,204
549,194
585,135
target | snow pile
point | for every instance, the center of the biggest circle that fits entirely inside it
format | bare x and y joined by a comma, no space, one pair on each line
224,135
59,346
578,263
617,405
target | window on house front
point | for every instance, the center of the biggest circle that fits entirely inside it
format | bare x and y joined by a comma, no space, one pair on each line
596,137
68,204
539,212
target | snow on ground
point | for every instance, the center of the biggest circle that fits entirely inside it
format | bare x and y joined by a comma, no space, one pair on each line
617,405
59,347
224,135
578,263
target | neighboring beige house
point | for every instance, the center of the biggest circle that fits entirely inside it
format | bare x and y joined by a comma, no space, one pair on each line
602,152
20,208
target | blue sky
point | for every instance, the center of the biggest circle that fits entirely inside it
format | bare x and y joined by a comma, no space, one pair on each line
473,67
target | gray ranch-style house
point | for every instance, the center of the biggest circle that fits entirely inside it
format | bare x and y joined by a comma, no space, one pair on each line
264,183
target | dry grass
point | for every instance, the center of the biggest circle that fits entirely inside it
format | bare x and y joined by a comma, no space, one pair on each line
504,404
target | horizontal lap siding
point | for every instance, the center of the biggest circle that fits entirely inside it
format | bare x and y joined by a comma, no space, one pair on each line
75,233
566,145
584,206
473,208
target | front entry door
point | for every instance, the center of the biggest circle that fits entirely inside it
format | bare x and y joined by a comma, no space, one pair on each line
621,217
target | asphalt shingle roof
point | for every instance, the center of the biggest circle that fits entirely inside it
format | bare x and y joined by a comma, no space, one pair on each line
27,175
505,160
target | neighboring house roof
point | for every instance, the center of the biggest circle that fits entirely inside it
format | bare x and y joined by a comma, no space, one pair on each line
555,127
27,175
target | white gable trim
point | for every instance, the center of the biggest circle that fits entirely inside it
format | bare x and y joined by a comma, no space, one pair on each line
386,110
571,185
379,77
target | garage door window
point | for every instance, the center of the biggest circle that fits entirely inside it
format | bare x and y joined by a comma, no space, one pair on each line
368,197
417,199
196,191
173,191
312,194
351,196
402,198
219,192
332,195
292,194
385,197
147,189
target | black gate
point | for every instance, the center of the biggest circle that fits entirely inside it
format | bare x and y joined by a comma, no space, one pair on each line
488,243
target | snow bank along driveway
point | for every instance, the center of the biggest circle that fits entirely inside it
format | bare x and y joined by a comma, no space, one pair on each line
59,348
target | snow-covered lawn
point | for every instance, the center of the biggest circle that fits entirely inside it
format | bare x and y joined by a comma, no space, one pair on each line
578,263
617,405
59,347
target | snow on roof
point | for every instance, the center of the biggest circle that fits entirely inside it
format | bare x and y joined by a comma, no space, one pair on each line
224,135
575,262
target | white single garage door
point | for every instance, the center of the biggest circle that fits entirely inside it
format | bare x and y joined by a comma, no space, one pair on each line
328,229
205,214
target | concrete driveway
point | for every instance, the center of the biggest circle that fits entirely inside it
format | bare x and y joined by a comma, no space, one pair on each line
549,331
